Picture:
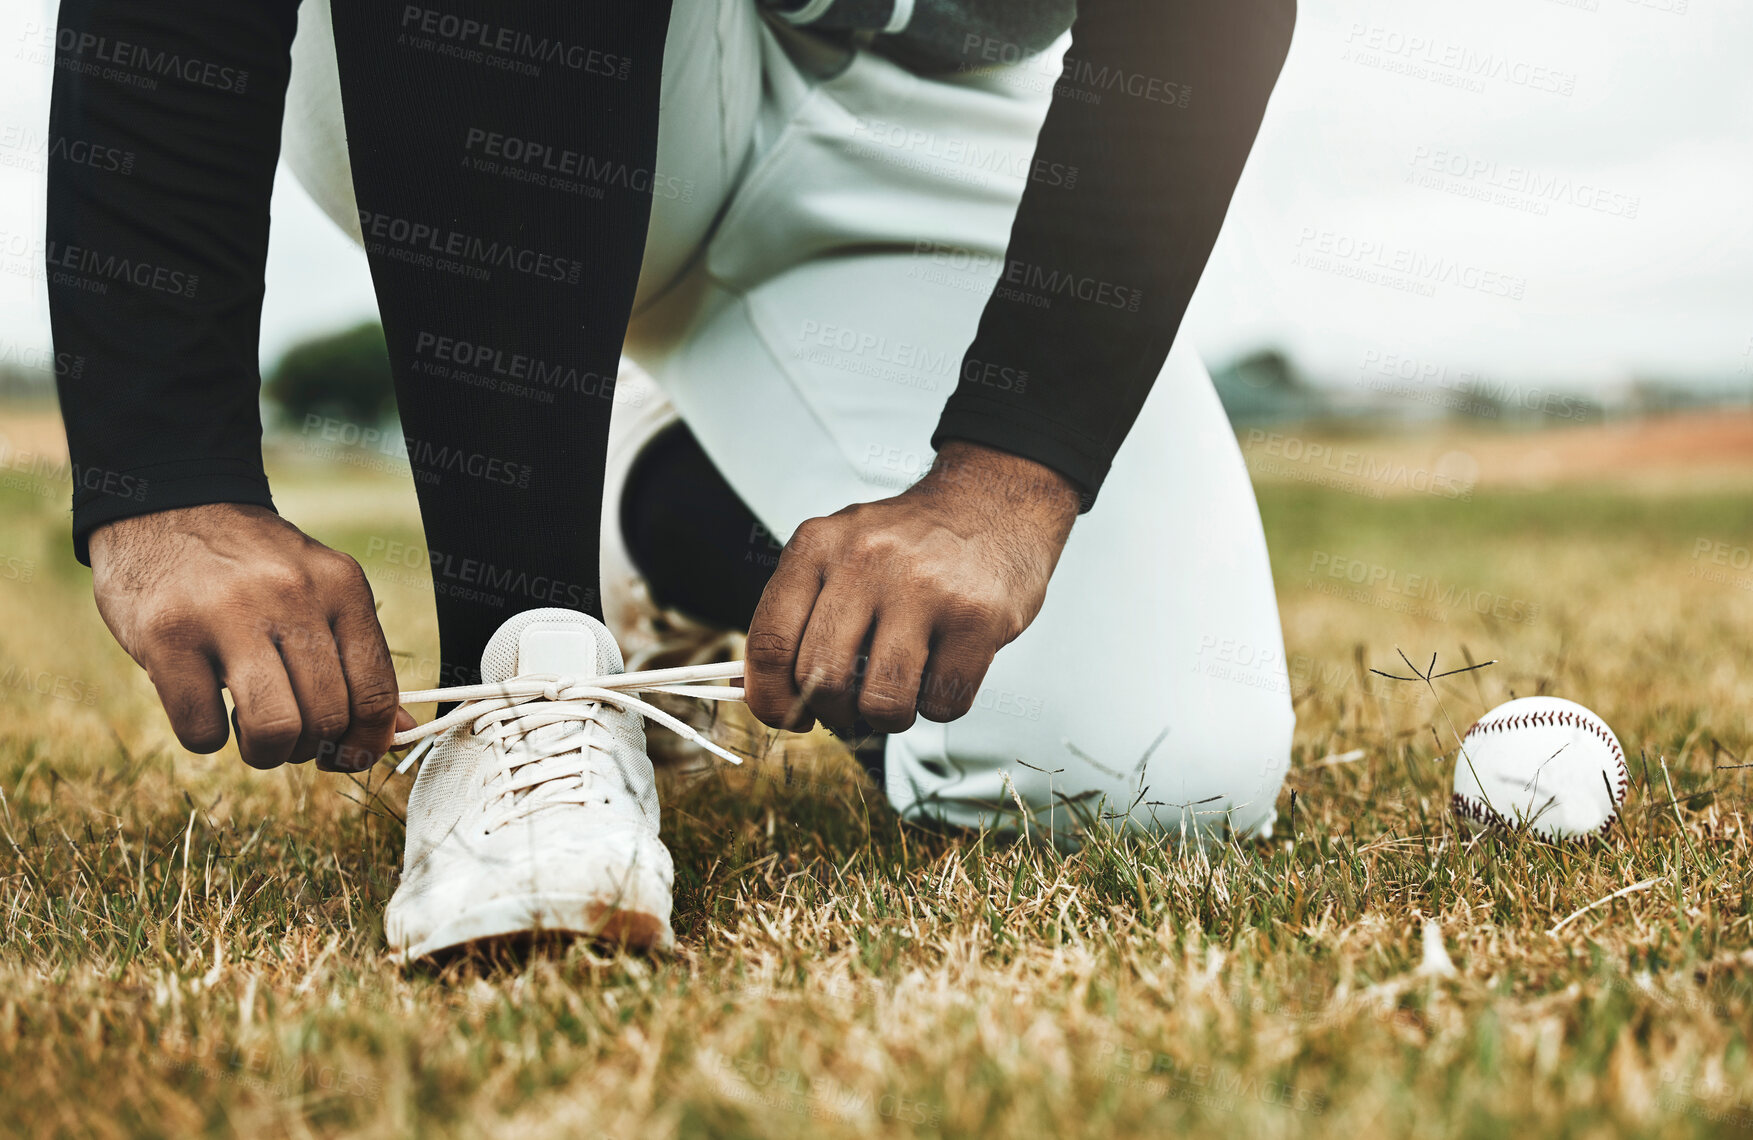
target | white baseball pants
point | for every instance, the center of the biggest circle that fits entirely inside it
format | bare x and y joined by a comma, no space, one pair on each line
825,233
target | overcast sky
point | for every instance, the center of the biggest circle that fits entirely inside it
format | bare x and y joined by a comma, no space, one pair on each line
1548,190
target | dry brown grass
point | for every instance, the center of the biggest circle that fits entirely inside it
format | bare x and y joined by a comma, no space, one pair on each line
190,947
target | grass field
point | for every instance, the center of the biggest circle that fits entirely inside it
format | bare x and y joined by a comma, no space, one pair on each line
189,947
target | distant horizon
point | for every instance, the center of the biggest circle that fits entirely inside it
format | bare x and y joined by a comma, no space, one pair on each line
34,365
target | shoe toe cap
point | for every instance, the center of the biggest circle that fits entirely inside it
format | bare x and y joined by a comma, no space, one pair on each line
614,884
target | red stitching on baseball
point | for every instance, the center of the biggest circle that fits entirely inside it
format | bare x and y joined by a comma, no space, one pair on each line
1479,812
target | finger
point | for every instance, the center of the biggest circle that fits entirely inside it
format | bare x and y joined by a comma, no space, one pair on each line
263,708
829,659
958,663
371,685
313,665
899,650
775,632
188,688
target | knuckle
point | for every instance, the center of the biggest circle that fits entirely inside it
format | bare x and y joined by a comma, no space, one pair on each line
931,579
279,578
825,681
769,650
343,569
330,725
972,611
818,541
275,731
875,546
816,529
375,705
820,674
810,536
173,627
885,704
892,675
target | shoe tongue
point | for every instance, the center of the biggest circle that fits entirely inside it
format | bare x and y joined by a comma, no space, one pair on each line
550,641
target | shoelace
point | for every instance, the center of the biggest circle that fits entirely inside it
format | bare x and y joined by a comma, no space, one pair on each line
508,712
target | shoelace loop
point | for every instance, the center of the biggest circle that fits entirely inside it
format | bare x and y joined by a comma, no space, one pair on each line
511,710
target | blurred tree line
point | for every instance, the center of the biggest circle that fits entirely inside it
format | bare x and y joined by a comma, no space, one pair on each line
345,375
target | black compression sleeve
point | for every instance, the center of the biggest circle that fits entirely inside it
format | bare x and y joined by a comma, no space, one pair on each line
1151,122
505,181
155,260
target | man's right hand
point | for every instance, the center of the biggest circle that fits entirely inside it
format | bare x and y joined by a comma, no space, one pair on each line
233,596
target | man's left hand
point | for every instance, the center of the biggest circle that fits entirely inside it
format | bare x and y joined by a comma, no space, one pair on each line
895,607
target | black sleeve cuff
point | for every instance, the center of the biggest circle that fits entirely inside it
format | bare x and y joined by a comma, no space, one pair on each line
101,497
1084,462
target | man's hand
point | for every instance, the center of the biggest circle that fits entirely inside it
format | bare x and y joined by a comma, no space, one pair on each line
928,586
233,596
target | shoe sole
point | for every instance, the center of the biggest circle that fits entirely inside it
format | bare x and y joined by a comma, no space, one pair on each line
527,916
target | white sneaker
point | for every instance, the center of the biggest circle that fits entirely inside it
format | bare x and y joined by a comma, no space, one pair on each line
536,810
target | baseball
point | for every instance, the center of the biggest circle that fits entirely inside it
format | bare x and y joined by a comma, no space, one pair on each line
1543,763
